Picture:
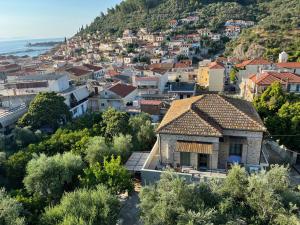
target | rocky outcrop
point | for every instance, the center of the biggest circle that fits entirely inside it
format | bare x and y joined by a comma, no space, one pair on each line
241,51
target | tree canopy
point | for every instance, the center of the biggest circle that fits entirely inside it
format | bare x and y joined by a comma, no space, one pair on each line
263,198
46,110
48,177
84,207
10,210
281,114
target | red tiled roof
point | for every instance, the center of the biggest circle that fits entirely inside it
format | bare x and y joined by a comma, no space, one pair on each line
122,89
216,65
112,73
93,67
180,65
268,78
150,102
76,71
289,65
210,115
253,62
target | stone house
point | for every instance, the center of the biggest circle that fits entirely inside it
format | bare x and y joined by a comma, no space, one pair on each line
208,132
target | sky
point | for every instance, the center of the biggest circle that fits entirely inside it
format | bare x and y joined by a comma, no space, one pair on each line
48,18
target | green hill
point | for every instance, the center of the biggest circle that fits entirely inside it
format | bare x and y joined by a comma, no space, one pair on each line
279,30
277,20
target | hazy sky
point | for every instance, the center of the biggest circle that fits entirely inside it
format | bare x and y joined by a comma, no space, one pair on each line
48,18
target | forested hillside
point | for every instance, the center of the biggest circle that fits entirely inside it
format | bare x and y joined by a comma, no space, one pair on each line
279,30
277,21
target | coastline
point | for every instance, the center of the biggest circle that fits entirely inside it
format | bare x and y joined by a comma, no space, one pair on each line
21,48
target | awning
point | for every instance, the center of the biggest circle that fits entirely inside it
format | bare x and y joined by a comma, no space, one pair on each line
196,147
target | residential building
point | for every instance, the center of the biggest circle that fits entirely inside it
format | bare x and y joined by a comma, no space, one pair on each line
252,66
292,67
117,96
9,117
258,83
212,76
23,91
181,90
79,74
207,133
152,107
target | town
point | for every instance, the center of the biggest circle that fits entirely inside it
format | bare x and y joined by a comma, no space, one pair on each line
158,108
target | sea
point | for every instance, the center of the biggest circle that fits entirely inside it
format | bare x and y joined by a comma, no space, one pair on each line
19,47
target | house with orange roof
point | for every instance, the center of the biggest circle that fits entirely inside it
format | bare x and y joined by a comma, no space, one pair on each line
203,135
252,66
292,67
258,83
211,75
173,23
117,96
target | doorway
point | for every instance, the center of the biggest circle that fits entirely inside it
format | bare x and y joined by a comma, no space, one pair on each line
203,161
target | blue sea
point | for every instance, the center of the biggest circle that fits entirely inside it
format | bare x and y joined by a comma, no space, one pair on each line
20,48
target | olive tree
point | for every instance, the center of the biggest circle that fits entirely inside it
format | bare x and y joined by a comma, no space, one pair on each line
10,210
84,207
48,177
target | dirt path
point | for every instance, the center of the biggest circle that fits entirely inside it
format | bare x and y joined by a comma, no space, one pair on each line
129,214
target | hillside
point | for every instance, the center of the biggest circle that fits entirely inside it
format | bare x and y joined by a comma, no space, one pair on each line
278,31
277,21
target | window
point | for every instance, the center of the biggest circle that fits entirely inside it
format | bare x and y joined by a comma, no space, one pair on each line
236,149
298,88
185,158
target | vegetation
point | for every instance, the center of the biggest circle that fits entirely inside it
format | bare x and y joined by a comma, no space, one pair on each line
263,198
281,114
49,177
84,153
276,29
84,207
112,173
47,110
10,213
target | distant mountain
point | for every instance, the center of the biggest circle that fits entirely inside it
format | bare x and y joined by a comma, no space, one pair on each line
278,21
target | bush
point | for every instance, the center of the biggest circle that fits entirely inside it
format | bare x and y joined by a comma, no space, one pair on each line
84,206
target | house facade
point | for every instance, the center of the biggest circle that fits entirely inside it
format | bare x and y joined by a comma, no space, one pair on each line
212,75
256,84
207,132
117,96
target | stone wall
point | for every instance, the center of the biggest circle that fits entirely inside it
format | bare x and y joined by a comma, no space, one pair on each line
250,154
170,155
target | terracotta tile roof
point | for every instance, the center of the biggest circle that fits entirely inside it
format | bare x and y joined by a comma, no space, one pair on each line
112,73
122,89
253,62
181,65
93,67
209,115
150,102
76,71
267,78
289,65
216,65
